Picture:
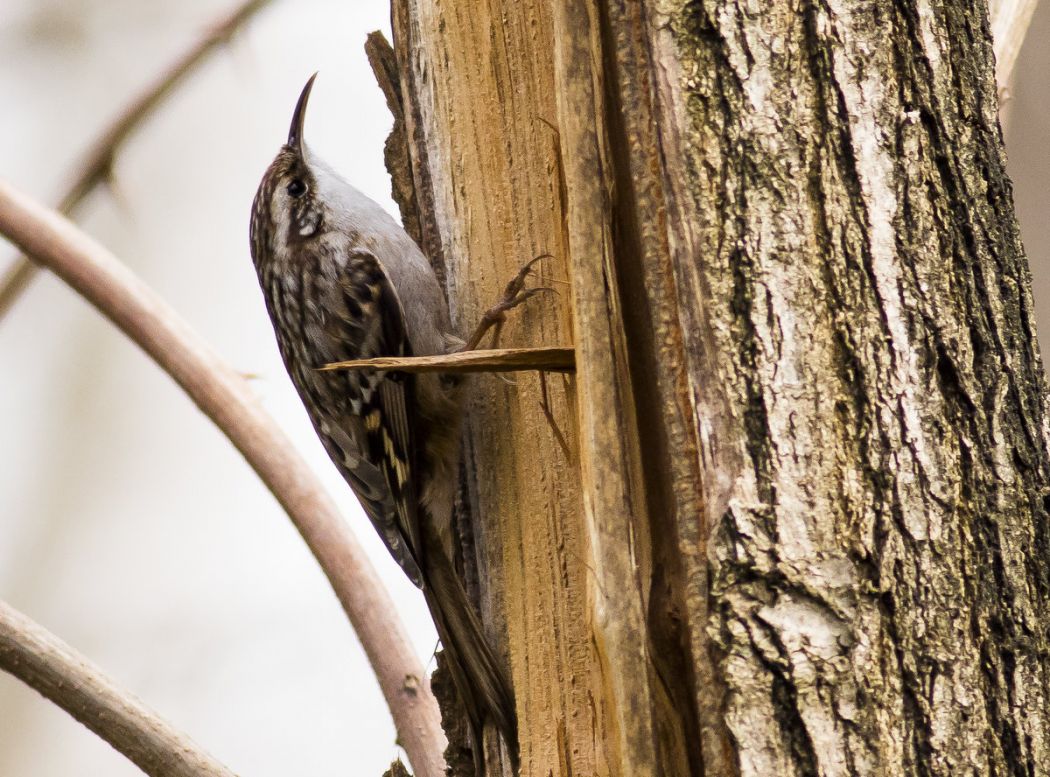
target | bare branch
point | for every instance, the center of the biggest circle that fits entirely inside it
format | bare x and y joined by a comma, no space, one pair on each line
98,162
227,399
1010,20
546,359
45,663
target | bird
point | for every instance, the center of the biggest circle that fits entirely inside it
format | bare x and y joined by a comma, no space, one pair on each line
342,280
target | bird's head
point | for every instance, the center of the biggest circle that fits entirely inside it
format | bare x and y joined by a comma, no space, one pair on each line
287,208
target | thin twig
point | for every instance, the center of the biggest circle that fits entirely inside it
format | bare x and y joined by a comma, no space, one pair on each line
546,359
48,665
98,163
226,398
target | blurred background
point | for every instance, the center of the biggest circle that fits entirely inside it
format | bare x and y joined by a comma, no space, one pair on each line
128,525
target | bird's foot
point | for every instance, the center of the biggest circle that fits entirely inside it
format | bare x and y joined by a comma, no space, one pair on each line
514,294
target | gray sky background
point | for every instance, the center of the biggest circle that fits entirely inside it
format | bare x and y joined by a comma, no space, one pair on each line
128,525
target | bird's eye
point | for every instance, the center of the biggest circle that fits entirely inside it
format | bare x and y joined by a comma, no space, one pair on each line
297,188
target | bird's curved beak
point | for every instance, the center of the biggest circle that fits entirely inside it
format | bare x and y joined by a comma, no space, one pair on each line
295,132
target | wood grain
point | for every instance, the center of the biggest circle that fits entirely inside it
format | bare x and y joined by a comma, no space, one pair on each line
482,116
610,474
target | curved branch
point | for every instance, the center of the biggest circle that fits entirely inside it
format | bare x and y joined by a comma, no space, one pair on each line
98,162
48,665
226,398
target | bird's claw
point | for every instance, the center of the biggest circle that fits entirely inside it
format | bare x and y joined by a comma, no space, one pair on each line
514,294
517,283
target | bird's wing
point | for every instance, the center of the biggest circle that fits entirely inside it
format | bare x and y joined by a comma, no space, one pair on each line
381,423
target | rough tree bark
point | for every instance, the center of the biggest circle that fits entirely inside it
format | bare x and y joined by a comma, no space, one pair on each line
790,517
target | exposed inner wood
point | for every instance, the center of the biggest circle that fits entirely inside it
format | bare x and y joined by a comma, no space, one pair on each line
478,72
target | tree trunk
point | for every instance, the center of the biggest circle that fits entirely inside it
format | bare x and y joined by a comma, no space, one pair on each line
790,516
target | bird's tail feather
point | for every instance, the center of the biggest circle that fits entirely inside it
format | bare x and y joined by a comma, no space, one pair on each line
479,679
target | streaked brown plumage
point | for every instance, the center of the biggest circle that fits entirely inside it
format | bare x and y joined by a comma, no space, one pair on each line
342,280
